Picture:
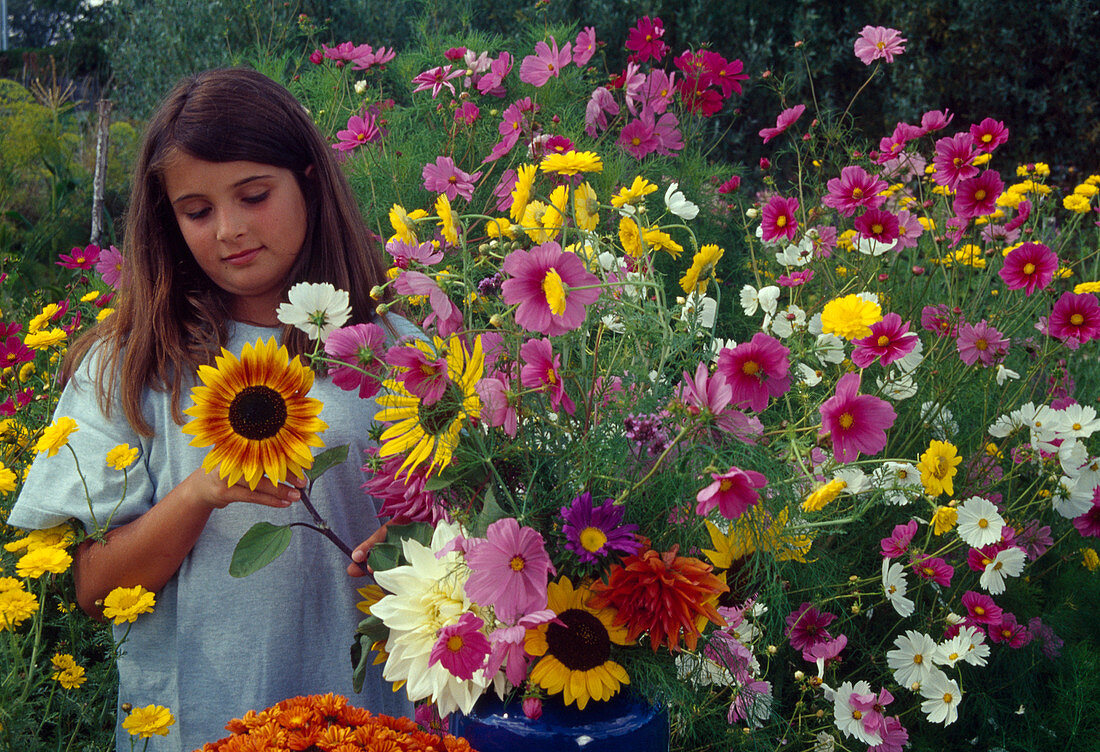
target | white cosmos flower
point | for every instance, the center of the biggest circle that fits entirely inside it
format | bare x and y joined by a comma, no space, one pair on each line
897,386
899,480
700,309
1003,374
977,651
1004,425
1073,496
895,586
855,480
1007,563
808,375
678,204
979,523
829,348
765,299
848,718
798,254
1079,421
427,594
317,308
941,698
939,419
912,661
870,246
785,322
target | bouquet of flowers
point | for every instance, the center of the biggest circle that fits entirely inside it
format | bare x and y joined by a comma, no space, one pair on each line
801,484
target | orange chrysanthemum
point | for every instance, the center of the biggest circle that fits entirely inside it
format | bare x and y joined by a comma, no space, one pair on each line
664,595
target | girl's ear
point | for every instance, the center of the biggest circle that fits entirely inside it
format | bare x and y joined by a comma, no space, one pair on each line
308,172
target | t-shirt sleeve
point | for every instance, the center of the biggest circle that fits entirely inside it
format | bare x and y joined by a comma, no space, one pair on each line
60,487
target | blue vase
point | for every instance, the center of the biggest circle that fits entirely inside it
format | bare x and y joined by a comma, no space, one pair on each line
622,723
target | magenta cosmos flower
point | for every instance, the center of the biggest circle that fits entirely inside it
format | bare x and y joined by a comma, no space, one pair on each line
109,266
360,131
1088,524
551,288
954,159
980,608
639,137
1075,318
756,370
935,569
980,342
436,79
1029,267
442,176
732,492
854,188
786,119
509,569
80,258
806,626
594,533
584,47
988,135
644,40
545,64
890,340
879,43
977,197
878,225
359,349
461,647
898,542
856,422
777,219
541,371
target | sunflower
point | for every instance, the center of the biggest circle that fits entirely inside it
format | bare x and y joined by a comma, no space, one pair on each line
424,432
255,413
575,649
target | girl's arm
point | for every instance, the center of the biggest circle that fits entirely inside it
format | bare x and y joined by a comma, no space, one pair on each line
150,549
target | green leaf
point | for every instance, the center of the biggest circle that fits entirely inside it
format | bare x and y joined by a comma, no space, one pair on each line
326,459
490,513
388,554
261,545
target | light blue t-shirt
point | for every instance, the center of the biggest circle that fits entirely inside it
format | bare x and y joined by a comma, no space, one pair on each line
216,646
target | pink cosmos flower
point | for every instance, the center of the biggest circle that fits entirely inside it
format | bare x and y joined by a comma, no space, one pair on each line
342,51
436,79
80,258
980,342
110,266
940,320
827,651
853,189
751,704
541,370
936,120
1088,524
878,225
364,58
667,131
935,569
644,40
988,135
756,370
359,350
980,608
870,707
778,220
492,82
898,543
443,176
547,269
732,492
497,408
727,75
423,376
806,626
707,396
954,159
600,105
445,314
889,340
856,422
731,185
1075,318
879,43
467,113
909,229
360,131
1029,267
795,278
507,646
894,144
461,647
405,254
785,120
895,737
545,64
976,197
639,138
1023,211
584,47
509,569
1009,632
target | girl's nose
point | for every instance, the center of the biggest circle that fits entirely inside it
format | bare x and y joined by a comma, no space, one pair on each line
230,226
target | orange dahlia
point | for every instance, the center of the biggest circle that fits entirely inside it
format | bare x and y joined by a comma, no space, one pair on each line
662,594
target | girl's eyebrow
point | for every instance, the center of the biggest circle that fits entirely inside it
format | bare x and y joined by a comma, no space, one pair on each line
238,184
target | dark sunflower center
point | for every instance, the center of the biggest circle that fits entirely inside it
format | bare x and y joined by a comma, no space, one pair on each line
582,643
257,412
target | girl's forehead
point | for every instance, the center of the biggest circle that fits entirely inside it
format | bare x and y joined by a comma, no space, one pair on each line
186,175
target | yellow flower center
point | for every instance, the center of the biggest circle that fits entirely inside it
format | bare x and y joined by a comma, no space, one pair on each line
876,229
781,221
1029,268
983,523
750,368
981,344
593,539
857,193
883,340
554,289
857,714
947,697
979,195
1077,319
846,420
979,610
517,563
918,659
455,643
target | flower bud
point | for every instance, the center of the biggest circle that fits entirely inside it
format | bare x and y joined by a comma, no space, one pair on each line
799,675
377,292
532,708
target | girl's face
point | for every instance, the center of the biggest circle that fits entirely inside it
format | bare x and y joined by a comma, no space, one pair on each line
245,224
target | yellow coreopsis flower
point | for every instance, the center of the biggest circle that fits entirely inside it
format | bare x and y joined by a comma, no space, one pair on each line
68,674
149,721
8,479
447,223
104,313
697,276
16,606
126,604
1086,287
630,237
938,466
823,494
521,193
1086,189
38,562
571,162
633,195
657,238
88,297
586,207
500,227
944,520
56,436
536,218
45,339
404,223
850,317
1077,203
59,536
122,456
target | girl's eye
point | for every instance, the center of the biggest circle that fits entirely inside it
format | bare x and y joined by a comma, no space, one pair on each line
197,215
258,198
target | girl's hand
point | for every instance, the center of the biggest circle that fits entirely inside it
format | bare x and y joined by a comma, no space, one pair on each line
359,556
210,490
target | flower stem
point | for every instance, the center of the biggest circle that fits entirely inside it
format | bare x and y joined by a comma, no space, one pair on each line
322,526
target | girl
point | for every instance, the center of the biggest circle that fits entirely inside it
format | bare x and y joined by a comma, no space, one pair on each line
236,197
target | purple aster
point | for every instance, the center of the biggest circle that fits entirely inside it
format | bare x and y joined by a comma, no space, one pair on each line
544,282
595,532
443,176
980,342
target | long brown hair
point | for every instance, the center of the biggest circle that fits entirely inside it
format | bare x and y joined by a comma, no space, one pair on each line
170,317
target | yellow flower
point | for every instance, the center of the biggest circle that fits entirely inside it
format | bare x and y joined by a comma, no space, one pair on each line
1010,198
927,223
944,520
16,606
850,317
42,340
970,255
655,238
59,536
982,159
8,479
122,456
447,221
700,272
938,466
147,721
1089,559
42,560
586,207
88,297
404,223
1086,287
125,604
10,583
534,216
845,240
823,494
56,436
1074,202
1086,189
500,227
630,237
571,163
521,193
633,195
104,313
68,674
1064,272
